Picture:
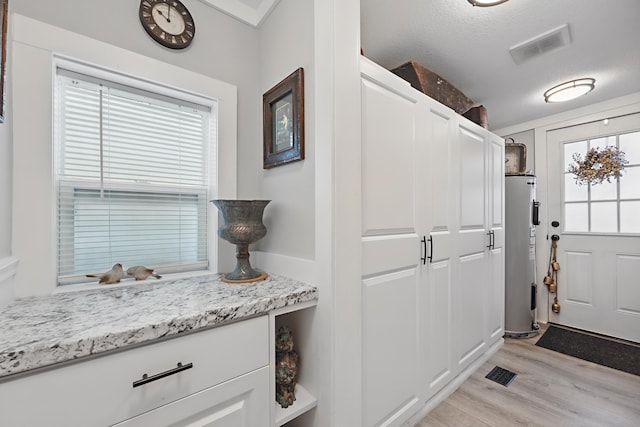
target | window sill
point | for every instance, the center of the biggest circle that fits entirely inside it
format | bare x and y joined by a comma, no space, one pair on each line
129,281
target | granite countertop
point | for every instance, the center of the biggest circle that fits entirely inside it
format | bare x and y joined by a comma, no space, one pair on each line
36,332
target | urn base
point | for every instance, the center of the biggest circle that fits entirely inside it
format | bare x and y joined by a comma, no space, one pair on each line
262,276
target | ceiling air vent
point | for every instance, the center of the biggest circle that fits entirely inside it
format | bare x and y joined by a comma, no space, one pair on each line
544,43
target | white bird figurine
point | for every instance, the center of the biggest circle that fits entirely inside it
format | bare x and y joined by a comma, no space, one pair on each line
112,276
141,272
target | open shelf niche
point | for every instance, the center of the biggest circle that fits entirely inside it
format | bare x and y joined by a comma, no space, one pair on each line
299,318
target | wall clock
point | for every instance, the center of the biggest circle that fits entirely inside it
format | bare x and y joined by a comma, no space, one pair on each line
168,22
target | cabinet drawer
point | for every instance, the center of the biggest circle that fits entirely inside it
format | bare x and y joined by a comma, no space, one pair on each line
101,391
240,402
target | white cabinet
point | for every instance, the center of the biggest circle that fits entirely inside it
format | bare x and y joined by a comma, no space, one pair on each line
106,390
432,239
240,402
472,241
495,294
436,302
391,233
480,245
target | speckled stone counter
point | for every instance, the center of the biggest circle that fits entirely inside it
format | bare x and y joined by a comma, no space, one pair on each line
37,332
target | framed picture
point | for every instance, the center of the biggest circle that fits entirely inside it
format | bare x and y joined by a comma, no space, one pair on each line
4,11
283,121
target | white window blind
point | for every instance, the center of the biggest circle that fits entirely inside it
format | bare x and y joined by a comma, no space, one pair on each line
132,180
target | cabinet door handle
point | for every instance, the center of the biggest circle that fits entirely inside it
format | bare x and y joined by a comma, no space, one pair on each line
424,248
492,240
147,379
430,249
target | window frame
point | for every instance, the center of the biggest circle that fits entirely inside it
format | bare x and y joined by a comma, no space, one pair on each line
127,86
564,173
36,48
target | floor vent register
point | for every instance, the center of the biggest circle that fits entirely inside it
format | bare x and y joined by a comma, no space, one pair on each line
501,376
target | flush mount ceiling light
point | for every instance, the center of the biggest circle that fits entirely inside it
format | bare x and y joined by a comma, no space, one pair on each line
486,3
569,90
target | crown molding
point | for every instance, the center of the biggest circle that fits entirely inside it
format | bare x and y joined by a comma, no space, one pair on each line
251,12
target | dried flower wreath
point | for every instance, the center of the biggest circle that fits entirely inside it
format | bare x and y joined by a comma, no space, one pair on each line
599,164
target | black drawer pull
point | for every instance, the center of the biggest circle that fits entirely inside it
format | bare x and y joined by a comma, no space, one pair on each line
147,379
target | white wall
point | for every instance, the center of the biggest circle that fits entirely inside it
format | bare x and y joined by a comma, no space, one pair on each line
251,59
36,47
323,243
223,48
286,43
6,170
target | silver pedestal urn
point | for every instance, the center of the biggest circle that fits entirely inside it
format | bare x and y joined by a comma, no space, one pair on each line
242,225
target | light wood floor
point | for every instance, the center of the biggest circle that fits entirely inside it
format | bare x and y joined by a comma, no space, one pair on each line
551,390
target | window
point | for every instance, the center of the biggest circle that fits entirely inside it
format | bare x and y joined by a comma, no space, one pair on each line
608,208
131,176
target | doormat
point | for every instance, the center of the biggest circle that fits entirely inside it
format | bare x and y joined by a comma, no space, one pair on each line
501,376
603,351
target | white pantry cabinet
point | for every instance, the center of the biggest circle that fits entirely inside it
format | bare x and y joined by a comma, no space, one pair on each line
219,376
432,239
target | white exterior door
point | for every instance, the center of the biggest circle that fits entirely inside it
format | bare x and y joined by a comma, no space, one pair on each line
599,246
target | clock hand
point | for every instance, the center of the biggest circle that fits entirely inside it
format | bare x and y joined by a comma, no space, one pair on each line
162,14
168,12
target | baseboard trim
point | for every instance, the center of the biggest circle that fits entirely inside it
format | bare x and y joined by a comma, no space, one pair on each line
8,268
448,390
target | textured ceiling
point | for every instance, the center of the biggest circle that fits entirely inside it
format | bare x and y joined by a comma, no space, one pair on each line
469,47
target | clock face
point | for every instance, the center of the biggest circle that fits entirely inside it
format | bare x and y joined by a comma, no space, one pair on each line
168,22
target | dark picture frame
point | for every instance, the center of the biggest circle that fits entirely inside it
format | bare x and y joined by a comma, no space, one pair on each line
4,11
283,121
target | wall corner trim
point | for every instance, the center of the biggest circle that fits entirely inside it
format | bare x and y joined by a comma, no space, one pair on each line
8,268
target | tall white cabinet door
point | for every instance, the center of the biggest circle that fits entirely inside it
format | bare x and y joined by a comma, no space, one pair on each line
495,292
390,249
472,240
435,301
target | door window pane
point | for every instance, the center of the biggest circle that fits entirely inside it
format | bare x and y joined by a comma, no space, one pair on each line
603,142
630,217
576,217
574,192
570,149
630,145
630,183
604,191
604,217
